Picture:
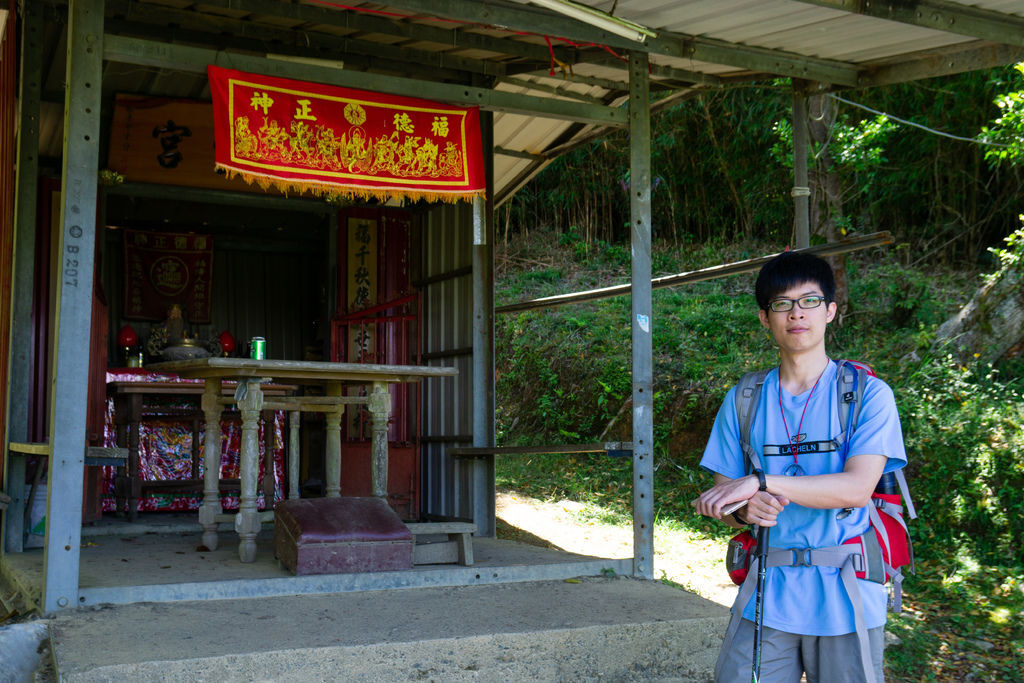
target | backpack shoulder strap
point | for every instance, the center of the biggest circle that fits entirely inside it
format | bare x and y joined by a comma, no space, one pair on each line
901,480
850,380
748,394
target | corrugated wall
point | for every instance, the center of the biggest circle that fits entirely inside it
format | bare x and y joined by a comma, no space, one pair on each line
446,285
8,107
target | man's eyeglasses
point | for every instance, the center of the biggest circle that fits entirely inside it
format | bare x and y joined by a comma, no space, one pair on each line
805,302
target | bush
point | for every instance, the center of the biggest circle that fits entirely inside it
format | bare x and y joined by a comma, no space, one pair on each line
962,429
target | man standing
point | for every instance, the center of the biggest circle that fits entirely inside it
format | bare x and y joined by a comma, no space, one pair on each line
816,486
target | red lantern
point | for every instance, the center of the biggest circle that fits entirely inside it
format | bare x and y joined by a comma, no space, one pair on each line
127,336
227,342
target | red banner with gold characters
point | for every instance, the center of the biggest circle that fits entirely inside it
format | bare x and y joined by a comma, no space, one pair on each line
162,269
335,141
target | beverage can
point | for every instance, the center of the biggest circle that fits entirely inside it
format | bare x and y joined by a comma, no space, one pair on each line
258,348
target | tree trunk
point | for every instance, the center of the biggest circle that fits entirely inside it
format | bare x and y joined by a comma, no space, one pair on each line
826,203
990,324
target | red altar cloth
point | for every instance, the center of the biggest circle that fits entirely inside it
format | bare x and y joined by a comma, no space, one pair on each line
165,450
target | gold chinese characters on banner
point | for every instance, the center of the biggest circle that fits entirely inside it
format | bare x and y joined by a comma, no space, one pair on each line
337,141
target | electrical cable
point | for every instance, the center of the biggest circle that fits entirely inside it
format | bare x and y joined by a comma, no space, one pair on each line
917,125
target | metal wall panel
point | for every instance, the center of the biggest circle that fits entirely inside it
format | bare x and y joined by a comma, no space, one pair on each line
8,151
447,296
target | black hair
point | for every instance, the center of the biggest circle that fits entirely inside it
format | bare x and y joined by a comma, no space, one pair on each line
790,269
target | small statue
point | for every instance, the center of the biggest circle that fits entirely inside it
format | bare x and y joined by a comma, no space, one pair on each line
169,334
175,325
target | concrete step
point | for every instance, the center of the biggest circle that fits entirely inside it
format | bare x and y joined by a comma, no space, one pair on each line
596,628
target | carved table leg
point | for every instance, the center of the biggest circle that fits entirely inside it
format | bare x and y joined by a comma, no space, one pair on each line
134,478
247,522
294,418
210,508
122,415
332,424
379,405
269,446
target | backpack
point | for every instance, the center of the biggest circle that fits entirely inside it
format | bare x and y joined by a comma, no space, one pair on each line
883,553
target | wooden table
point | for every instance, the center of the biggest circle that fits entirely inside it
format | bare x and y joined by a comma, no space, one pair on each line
250,375
130,411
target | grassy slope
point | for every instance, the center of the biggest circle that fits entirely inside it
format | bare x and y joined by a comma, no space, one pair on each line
563,377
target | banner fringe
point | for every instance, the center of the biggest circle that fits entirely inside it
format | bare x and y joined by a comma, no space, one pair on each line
354,192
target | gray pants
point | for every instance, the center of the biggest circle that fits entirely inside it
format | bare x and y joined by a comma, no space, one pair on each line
786,656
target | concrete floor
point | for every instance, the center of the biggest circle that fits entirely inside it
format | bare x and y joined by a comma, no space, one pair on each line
585,629
161,559
157,606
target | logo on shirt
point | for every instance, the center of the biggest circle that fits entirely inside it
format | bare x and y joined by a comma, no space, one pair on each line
805,448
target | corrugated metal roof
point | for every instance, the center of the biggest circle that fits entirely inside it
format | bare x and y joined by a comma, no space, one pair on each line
516,47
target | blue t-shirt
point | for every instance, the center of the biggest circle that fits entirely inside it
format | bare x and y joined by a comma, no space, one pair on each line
811,600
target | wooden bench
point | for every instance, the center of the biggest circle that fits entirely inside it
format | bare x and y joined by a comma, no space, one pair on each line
458,547
17,521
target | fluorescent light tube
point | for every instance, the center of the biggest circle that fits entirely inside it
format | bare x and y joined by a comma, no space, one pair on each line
602,20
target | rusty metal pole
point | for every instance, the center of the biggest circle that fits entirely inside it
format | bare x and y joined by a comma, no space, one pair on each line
801,191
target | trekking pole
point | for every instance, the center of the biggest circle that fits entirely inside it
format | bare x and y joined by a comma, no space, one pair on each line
762,556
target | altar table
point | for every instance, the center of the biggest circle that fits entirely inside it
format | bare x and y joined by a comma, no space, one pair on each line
251,374
130,393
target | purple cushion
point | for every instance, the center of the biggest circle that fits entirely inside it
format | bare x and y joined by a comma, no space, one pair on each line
333,520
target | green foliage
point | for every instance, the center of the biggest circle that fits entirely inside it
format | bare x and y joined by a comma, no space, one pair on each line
962,429
857,146
903,299
1009,258
1006,134
721,169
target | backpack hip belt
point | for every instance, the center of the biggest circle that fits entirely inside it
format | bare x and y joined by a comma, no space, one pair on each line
856,556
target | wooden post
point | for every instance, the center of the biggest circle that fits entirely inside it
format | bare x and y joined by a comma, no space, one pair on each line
332,446
247,521
380,409
210,507
294,421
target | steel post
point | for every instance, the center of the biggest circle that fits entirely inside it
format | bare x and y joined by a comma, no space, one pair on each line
74,276
482,477
642,322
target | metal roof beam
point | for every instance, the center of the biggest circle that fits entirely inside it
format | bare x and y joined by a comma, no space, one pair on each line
606,83
357,59
945,63
558,90
525,18
224,32
519,155
371,23
950,17
659,71
528,19
195,60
